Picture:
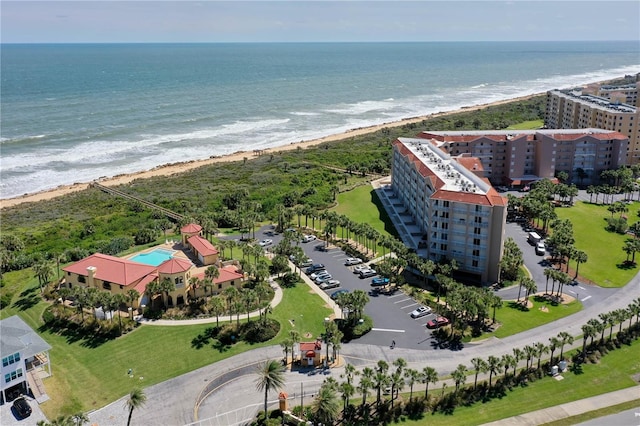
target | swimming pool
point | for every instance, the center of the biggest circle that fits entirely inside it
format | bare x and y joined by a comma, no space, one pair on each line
154,257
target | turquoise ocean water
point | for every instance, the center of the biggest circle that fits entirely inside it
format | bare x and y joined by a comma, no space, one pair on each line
73,113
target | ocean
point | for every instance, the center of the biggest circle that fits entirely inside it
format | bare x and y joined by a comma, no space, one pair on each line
76,112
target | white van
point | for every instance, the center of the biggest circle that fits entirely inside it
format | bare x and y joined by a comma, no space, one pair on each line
534,238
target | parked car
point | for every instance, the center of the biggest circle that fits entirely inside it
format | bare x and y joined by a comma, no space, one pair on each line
337,293
320,247
265,243
438,322
379,282
318,273
306,263
315,267
540,249
421,311
360,268
322,278
22,407
308,238
352,261
367,273
330,284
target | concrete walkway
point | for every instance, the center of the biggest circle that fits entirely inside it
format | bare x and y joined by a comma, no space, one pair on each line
574,408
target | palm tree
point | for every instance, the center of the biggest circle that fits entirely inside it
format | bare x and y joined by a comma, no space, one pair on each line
580,257
529,353
270,377
412,377
493,366
554,343
285,345
366,383
132,296
397,383
326,406
509,361
136,399
540,349
216,307
459,375
480,366
347,390
429,375
565,339
587,331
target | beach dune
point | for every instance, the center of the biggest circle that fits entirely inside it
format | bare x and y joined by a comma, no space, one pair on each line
175,168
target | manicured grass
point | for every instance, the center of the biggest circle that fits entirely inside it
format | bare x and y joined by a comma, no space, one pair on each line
362,205
604,249
612,373
527,125
595,414
514,320
154,353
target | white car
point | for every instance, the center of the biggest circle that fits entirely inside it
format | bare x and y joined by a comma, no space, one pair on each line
359,268
323,278
353,261
330,284
265,243
421,311
318,273
540,249
308,238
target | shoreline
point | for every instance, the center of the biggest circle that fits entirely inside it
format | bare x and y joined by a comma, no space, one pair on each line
176,168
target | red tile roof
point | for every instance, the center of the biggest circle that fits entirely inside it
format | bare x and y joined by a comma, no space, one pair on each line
112,269
202,245
227,273
141,287
310,346
175,265
192,228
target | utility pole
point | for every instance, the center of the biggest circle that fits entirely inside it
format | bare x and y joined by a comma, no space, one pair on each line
302,396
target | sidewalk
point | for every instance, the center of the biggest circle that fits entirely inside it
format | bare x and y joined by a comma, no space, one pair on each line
570,409
277,298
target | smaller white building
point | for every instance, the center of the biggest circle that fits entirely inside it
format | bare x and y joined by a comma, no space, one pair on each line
24,355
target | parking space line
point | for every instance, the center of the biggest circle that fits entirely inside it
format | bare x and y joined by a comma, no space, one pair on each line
586,298
409,306
387,329
397,295
403,300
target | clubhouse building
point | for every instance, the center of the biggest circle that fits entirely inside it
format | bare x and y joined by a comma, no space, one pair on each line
178,262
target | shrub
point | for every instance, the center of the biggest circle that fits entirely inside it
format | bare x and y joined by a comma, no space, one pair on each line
5,300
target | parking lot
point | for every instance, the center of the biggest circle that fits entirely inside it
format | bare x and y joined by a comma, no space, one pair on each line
390,313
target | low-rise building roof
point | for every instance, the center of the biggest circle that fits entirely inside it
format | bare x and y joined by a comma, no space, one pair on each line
17,336
111,269
191,228
202,245
175,265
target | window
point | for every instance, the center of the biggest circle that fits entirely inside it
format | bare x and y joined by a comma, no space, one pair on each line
476,252
476,231
443,247
219,286
11,359
106,285
474,263
478,219
476,241
81,279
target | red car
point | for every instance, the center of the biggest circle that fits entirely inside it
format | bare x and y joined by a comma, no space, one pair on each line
438,322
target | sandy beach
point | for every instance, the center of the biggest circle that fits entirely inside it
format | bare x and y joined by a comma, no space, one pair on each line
175,168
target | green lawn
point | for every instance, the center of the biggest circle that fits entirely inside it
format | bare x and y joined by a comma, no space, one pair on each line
362,205
604,249
514,320
153,352
527,125
612,373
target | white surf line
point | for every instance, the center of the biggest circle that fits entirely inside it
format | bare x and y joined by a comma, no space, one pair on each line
387,329
586,298
409,306
403,300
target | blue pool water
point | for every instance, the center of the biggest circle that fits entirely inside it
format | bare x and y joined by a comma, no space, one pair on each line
153,258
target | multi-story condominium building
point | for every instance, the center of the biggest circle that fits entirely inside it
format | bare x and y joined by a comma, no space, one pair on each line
458,214
517,158
571,109
25,359
625,94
